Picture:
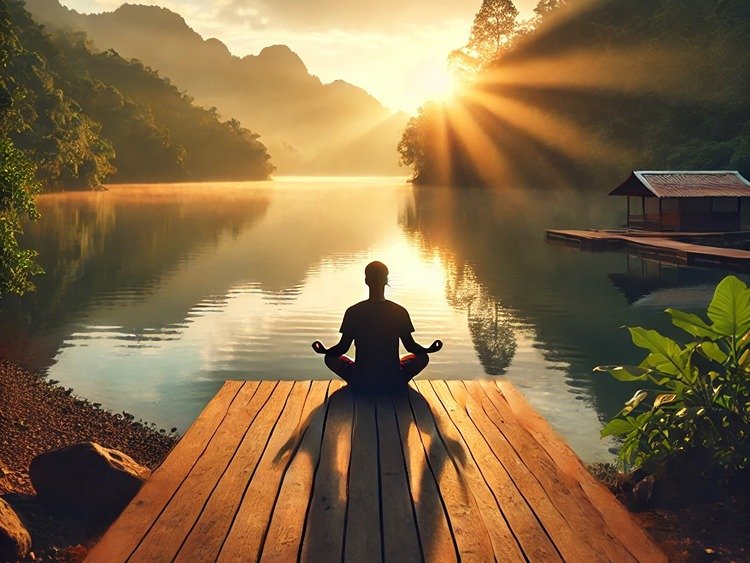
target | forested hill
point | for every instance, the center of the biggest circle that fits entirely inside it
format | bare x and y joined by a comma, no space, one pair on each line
588,91
309,127
84,117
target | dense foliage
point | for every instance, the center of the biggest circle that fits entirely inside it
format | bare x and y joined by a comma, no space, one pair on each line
17,174
587,91
82,116
702,395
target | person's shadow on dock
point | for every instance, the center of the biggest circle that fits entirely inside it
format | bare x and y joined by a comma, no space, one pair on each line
353,442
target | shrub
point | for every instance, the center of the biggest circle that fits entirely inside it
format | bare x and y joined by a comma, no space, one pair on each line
701,399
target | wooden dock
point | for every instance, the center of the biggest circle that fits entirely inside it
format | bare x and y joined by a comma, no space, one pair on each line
453,470
663,246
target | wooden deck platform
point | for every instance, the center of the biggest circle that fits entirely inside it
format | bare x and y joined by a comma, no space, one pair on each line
455,470
665,246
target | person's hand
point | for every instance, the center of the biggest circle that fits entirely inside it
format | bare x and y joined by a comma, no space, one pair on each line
435,347
318,347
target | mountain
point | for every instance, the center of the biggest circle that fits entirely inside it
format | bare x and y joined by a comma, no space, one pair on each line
308,126
82,117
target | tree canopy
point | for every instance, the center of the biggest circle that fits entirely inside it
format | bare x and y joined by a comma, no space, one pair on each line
580,100
18,183
493,28
83,116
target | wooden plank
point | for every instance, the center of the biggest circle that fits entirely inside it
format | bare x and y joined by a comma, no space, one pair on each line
400,536
326,517
511,441
125,534
619,521
286,530
174,524
205,539
519,516
363,534
473,540
244,542
432,522
586,543
506,544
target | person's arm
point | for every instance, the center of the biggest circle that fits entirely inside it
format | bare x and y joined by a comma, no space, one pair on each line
339,349
414,348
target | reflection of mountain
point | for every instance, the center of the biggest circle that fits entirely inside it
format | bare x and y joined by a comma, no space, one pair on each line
141,262
112,247
564,294
309,127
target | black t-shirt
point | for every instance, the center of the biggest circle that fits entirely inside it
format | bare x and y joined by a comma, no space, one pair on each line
376,327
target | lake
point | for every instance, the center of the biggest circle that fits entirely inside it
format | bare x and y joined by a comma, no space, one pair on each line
155,294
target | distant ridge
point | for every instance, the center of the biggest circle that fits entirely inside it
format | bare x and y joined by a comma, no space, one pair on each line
309,127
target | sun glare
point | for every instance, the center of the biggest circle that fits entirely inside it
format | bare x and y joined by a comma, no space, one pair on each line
440,84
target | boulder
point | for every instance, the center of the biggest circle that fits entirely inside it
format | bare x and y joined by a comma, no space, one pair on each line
15,541
94,481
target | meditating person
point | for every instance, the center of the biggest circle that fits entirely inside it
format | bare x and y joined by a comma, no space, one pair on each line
375,326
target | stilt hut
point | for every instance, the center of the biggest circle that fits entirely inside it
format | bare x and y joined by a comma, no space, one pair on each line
687,201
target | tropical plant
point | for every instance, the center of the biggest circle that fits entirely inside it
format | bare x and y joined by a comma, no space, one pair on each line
701,398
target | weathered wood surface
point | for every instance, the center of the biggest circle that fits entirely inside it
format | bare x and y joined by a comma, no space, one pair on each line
663,245
453,470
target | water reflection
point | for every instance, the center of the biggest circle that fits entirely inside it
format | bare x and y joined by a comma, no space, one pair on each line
562,299
156,294
489,322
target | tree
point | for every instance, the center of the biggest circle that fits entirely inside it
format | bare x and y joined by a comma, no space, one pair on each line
18,183
493,28
545,7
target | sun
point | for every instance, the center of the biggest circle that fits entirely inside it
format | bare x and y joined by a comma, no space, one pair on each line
440,85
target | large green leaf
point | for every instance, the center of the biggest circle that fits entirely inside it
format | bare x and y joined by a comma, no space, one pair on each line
692,324
712,351
666,355
617,427
730,308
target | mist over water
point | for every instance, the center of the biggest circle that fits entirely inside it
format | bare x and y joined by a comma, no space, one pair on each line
156,294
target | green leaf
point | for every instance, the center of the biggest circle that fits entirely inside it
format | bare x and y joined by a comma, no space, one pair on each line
713,352
730,308
616,427
625,373
692,324
666,355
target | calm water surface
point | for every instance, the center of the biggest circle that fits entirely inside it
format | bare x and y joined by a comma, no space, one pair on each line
156,294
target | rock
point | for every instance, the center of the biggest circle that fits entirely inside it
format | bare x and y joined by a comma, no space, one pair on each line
15,541
643,490
96,482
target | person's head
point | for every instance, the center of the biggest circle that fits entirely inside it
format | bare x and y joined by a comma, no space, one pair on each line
376,274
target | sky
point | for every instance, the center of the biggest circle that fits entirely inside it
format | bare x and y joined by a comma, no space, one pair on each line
394,49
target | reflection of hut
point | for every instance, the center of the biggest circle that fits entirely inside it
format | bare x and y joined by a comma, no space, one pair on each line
684,201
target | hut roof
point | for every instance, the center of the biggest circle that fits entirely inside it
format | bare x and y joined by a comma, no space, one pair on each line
721,183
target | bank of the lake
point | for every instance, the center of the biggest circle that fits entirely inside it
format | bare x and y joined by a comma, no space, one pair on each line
36,416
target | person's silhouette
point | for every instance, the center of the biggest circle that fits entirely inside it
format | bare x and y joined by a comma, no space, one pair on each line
375,326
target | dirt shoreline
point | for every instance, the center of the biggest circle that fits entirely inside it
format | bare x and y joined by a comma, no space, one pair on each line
37,415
